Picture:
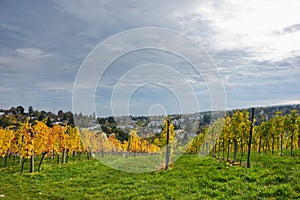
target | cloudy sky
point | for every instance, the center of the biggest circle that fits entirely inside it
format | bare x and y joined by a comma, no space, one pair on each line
254,44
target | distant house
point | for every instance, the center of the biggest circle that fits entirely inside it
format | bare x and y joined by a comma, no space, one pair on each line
57,123
95,127
130,126
155,124
121,127
126,127
156,131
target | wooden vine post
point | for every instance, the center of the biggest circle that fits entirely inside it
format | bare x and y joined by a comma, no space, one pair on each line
250,138
168,145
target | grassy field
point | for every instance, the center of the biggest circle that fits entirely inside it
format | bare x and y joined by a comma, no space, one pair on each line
191,177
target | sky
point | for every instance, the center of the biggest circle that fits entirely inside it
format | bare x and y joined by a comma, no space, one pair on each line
254,46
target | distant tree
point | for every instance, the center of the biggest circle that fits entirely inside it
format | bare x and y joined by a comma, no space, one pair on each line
68,116
111,120
20,110
42,115
101,120
206,119
48,122
13,110
30,110
60,114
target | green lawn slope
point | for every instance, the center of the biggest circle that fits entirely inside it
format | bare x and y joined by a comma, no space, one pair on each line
191,177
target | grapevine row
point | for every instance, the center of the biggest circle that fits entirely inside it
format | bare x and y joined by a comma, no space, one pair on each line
231,135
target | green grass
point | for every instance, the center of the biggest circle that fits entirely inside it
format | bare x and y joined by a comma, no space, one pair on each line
191,177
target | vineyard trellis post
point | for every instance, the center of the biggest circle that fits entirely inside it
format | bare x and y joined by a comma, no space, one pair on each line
250,138
32,153
168,145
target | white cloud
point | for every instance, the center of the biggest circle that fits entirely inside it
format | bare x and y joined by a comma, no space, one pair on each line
6,89
251,24
289,102
9,27
31,52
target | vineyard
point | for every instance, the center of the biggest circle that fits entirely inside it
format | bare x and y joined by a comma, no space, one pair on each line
59,142
38,149
280,133
225,136
30,141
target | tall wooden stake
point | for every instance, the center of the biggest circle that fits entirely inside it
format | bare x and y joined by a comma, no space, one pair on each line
167,145
250,139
